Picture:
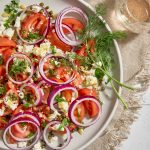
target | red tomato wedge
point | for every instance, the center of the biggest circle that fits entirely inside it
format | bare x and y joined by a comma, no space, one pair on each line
10,140
90,106
7,53
5,42
80,112
82,51
78,80
35,21
2,70
67,94
53,38
74,24
22,130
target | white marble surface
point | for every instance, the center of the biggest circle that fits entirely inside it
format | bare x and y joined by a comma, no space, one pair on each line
139,139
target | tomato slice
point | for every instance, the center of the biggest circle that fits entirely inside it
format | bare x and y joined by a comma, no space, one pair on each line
67,94
3,122
5,42
34,21
10,140
23,130
80,112
74,24
78,80
82,51
2,70
7,53
86,91
54,39
90,106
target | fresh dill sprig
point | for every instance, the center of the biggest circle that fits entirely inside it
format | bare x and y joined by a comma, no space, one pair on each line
18,66
12,10
104,42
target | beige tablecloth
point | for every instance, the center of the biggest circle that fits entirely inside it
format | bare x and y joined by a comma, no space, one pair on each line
135,51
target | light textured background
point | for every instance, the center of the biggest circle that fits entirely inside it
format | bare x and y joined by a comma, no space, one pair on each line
139,139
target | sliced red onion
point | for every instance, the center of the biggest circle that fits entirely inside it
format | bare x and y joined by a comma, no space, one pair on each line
59,26
46,30
19,55
50,81
21,120
37,90
76,102
56,91
28,114
45,135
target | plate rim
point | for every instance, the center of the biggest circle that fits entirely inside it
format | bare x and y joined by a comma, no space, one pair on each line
121,79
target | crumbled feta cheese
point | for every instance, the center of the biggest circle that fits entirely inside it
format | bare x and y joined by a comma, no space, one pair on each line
91,80
9,32
53,116
20,48
58,127
2,112
10,103
17,23
64,106
22,17
38,146
2,28
53,139
36,8
21,144
28,48
59,52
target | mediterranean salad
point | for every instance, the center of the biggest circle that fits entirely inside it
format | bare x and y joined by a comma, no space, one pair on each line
52,70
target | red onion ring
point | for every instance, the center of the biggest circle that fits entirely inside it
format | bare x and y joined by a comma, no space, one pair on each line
59,26
46,30
56,91
20,120
46,140
19,55
78,101
37,91
50,81
28,114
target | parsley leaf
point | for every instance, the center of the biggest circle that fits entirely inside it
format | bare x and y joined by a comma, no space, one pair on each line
2,90
59,99
65,122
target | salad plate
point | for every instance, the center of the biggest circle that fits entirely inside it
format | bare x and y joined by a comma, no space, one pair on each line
108,97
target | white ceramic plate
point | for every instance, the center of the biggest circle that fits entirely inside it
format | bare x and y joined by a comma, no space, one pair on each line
110,101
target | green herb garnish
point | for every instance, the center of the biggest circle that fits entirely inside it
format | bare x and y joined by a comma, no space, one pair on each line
95,30
26,105
1,60
12,10
53,49
18,66
44,124
2,90
23,124
33,36
65,122
31,135
59,99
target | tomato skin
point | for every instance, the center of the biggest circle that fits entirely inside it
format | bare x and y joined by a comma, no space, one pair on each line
80,117
73,23
67,94
7,53
10,140
2,70
90,106
54,39
86,91
35,21
78,79
82,51
5,42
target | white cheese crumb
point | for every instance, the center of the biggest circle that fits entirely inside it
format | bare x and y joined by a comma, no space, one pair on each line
53,116
9,32
2,112
36,8
17,23
53,139
91,80
21,144
64,106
